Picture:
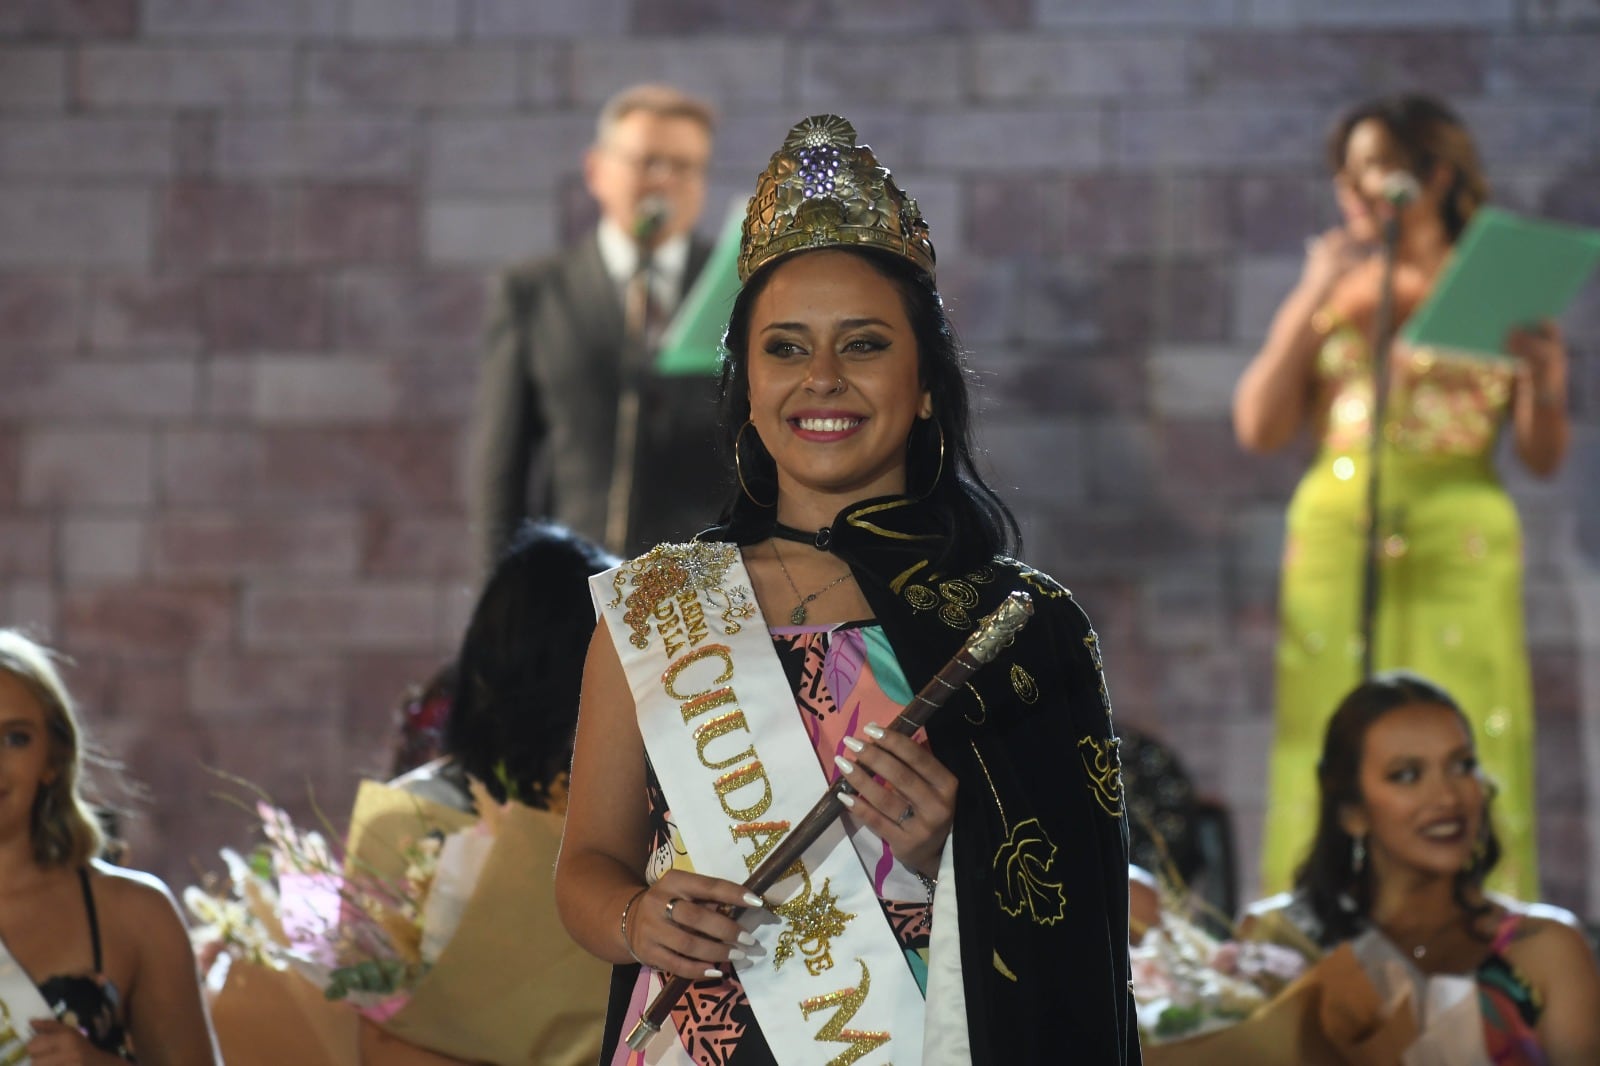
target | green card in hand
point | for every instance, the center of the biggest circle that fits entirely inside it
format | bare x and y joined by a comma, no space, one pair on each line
1507,271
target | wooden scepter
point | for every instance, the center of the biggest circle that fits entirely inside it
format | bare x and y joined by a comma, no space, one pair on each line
993,633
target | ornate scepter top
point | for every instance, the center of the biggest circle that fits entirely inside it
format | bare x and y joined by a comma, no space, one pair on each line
998,628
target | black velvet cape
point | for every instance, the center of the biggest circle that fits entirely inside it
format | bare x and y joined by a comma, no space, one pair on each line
1041,840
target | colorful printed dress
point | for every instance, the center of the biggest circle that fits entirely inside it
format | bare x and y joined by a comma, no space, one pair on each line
1450,585
843,677
1510,1006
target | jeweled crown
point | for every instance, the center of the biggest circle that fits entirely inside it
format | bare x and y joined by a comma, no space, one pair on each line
822,189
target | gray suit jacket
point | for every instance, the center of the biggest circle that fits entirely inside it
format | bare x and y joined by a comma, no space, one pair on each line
547,413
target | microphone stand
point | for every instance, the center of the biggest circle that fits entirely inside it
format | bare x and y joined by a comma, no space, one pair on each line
1383,336
633,364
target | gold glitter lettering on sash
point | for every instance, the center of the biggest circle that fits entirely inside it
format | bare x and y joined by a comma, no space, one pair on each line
849,1001
733,781
721,726
766,835
814,919
669,678
1104,769
668,571
697,705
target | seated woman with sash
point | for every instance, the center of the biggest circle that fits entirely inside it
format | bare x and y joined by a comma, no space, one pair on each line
1404,842
94,960
972,903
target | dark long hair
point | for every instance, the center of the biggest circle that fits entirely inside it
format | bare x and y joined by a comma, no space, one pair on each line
1429,134
1339,896
980,523
521,664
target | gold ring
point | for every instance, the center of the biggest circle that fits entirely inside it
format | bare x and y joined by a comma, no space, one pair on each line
673,902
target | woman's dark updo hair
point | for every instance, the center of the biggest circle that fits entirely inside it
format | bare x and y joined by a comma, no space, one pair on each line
981,524
521,665
1340,897
1428,134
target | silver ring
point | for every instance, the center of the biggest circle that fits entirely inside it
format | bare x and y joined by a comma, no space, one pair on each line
909,811
673,902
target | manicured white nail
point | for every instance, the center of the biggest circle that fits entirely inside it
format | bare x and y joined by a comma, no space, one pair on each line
873,730
853,744
735,955
845,765
746,939
753,900
847,799
713,972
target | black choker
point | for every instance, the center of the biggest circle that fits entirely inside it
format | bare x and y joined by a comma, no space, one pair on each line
818,539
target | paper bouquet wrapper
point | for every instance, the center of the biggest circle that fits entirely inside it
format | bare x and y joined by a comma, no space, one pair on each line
1331,1015
510,988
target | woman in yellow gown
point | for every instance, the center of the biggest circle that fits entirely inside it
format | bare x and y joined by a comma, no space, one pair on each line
1449,542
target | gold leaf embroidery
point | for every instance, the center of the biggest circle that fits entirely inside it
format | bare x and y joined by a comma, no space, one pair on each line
1022,866
1104,769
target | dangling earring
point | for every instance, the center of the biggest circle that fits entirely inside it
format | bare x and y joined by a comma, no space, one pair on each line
939,470
1358,854
738,466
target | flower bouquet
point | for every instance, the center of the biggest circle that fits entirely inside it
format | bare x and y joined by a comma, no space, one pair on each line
429,927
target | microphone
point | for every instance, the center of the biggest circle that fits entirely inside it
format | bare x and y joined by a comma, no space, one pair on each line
1400,188
649,217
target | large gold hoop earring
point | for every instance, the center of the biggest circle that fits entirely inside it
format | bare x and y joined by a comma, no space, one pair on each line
738,467
939,470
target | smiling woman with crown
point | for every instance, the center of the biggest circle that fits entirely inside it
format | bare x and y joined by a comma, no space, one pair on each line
971,904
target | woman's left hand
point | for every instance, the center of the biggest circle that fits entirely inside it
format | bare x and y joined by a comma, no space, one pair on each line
55,1043
913,807
1542,354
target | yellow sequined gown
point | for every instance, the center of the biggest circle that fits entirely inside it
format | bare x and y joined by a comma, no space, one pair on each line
1450,585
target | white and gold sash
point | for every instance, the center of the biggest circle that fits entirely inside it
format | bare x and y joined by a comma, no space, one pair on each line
718,718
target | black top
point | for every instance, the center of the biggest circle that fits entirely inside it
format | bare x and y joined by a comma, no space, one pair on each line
90,1002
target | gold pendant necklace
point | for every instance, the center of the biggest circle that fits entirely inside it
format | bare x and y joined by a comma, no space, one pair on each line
797,617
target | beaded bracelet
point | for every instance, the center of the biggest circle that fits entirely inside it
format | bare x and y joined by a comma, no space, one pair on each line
626,941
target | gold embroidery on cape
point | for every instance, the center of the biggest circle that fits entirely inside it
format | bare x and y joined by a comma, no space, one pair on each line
983,712
1043,583
1004,970
1022,682
858,519
849,1001
1101,762
813,919
669,570
1092,642
1022,867
920,597
898,584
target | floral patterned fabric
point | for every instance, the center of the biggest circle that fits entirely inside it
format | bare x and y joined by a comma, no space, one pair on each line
843,677
1450,584
90,1003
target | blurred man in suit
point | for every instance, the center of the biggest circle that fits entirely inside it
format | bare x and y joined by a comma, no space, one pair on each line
572,423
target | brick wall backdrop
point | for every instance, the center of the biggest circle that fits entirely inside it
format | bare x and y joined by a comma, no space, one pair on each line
243,247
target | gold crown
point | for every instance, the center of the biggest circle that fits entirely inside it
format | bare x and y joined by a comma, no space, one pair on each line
821,190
